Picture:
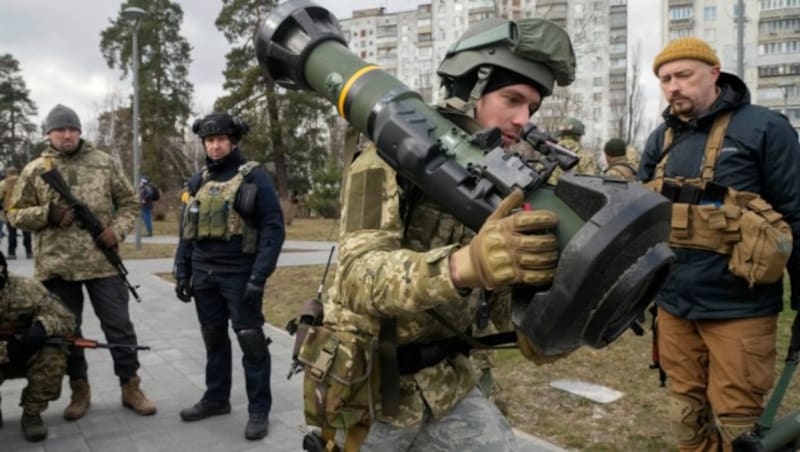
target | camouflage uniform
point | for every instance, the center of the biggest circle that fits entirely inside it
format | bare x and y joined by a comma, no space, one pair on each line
586,164
620,167
22,302
95,178
389,267
67,258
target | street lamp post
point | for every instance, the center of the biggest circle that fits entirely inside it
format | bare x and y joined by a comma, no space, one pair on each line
135,14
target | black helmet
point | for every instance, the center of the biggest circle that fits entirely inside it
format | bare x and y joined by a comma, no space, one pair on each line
219,123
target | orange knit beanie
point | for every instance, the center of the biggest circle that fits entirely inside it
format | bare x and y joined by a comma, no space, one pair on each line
686,48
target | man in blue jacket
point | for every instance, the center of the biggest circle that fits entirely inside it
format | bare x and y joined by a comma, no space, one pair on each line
717,331
231,234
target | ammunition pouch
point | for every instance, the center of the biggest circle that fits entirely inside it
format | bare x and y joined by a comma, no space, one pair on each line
727,221
341,381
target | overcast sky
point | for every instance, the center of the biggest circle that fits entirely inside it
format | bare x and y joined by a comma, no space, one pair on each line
58,46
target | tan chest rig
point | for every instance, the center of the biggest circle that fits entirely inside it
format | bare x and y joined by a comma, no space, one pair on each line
740,224
210,213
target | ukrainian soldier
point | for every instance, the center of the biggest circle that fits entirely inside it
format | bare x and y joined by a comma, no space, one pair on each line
730,168
570,132
28,315
410,271
68,259
232,231
618,164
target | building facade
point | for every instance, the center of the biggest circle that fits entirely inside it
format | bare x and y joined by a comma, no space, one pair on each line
410,45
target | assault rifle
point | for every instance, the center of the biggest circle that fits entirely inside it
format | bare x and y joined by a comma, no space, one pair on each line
90,223
310,314
72,341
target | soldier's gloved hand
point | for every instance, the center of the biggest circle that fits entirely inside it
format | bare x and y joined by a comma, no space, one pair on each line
60,216
517,247
35,337
183,290
107,238
254,293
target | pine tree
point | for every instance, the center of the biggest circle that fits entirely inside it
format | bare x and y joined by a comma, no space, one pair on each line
288,129
16,108
165,92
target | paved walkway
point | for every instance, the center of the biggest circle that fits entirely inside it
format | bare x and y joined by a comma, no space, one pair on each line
173,377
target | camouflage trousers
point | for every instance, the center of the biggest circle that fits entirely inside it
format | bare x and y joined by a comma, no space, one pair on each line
44,371
474,424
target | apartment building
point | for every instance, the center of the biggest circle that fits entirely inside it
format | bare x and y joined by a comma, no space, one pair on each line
770,44
599,95
410,45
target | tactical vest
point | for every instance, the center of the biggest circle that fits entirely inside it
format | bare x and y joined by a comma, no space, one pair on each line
623,169
740,224
210,213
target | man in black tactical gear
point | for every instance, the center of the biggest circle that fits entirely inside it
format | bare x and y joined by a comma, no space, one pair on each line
232,231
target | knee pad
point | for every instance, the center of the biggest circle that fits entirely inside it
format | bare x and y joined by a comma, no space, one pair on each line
690,418
254,344
730,427
214,337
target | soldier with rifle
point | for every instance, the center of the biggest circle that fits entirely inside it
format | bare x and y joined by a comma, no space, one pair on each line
28,315
76,235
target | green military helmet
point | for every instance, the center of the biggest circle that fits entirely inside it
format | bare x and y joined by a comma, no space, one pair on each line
571,126
535,48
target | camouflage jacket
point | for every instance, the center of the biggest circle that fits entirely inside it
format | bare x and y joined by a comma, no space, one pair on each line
586,164
620,167
393,261
24,301
97,180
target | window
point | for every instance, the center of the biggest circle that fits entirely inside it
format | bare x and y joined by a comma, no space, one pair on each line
710,13
680,13
709,34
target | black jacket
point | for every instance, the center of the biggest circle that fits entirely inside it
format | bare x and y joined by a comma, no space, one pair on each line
226,256
760,154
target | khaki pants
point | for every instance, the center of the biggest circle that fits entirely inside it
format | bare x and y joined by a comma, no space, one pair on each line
727,364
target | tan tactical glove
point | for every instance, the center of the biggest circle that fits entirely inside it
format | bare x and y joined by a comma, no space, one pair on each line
515,248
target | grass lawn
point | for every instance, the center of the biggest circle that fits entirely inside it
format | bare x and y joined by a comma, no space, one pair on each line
324,229
635,422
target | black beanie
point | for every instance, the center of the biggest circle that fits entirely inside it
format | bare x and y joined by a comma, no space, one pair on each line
614,147
501,77
60,117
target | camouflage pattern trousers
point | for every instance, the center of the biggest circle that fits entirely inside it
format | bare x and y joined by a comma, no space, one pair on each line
44,371
474,424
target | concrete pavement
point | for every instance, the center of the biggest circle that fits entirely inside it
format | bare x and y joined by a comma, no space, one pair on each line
173,377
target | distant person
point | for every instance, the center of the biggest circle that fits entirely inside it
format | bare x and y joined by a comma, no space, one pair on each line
570,132
148,193
6,189
618,164
731,170
28,316
231,235
67,257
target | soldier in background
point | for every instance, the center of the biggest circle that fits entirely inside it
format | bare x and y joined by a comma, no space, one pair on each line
618,164
232,231
570,132
6,188
28,315
67,258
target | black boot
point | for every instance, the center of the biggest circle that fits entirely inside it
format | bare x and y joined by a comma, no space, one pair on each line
204,409
33,428
257,426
